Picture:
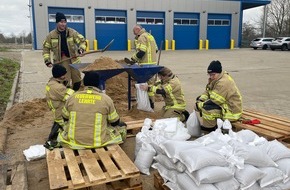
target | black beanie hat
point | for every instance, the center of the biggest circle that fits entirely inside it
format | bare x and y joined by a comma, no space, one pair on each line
58,71
91,79
214,67
59,17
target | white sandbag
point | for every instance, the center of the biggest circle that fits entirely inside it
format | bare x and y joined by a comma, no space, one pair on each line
211,174
284,186
246,136
34,152
197,158
144,158
273,176
227,125
231,184
172,186
169,164
276,150
193,125
172,147
186,183
252,155
284,166
170,175
181,133
248,176
143,102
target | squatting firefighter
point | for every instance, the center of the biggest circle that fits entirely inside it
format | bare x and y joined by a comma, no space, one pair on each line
56,95
170,88
221,99
64,42
92,118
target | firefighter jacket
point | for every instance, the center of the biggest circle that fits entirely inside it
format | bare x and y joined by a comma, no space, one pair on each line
145,42
224,93
53,43
174,96
89,113
56,95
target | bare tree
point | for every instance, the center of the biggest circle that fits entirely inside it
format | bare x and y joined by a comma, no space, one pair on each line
278,17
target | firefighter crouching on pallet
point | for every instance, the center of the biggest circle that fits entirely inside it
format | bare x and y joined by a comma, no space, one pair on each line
170,88
65,42
221,99
93,121
56,95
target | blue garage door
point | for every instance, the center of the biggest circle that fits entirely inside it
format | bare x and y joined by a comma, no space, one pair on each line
186,30
111,24
75,18
153,22
219,31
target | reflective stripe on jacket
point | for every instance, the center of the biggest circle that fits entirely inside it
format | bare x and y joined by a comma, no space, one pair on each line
90,113
146,43
225,94
53,43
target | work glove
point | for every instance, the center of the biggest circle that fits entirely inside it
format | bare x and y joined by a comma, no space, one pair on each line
128,61
48,63
81,51
121,124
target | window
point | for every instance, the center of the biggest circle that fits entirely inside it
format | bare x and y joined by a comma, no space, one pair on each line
185,21
110,19
147,20
218,22
69,18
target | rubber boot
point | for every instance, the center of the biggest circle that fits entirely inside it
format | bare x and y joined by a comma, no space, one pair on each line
76,86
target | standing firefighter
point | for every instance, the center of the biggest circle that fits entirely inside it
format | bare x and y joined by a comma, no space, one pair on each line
64,42
56,95
170,88
146,47
221,99
93,121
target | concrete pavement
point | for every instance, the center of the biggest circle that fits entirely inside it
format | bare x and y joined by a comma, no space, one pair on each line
261,75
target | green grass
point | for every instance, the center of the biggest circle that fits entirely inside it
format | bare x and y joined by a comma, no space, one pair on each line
8,70
3,49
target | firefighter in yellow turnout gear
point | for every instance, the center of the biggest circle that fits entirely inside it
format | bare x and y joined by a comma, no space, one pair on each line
170,88
56,95
65,42
92,118
146,47
221,99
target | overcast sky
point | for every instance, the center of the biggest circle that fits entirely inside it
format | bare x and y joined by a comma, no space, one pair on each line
14,16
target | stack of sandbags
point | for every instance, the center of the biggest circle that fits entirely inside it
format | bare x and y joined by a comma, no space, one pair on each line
234,161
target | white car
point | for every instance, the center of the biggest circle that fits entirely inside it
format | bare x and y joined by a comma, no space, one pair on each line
282,43
263,43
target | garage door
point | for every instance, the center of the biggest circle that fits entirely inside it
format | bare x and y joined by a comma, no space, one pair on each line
219,31
111,24
153,22
75,18
186,30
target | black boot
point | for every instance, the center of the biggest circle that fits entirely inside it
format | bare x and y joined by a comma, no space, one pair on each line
76,86
186,115
151,103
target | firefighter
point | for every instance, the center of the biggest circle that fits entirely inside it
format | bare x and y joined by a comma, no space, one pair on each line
221,99
56,95
93,121
170,88
65,42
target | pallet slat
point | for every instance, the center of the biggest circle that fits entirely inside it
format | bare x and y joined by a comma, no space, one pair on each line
3,176
91,166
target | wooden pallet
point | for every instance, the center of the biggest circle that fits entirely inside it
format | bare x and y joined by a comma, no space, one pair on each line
271,126
108,166
134,127
159,182
13,177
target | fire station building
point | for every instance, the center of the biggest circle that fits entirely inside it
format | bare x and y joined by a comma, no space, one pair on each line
178,24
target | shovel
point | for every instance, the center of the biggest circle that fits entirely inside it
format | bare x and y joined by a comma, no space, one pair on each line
86,53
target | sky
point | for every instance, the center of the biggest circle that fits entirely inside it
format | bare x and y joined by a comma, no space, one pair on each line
14,17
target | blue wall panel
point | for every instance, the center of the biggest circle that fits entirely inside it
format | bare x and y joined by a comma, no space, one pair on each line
105,32
186,36
157,30
80,27
219,36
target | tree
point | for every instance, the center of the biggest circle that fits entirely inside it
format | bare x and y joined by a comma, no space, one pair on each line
249,32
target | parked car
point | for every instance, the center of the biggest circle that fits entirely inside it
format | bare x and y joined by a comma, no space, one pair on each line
282,43
263,43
